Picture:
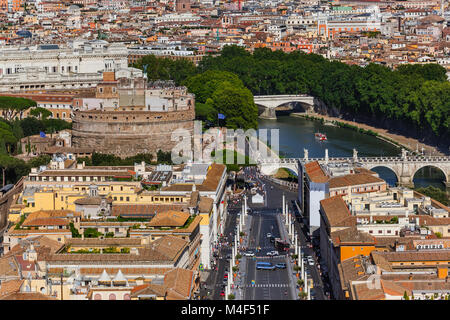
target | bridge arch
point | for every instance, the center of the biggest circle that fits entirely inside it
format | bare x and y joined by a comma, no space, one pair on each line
390,169
442,170
271,169
268,104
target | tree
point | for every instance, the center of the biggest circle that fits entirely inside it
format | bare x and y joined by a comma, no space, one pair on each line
405,296
6,162
166,69
11,107
203,85
435,193
237,105
40,113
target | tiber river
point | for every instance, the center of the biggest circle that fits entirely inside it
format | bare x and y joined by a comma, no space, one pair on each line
298,133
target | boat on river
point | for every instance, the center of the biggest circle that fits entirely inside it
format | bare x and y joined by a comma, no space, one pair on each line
320,136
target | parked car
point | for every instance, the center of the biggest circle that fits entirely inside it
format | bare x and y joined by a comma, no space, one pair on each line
269,235
249,254
281,265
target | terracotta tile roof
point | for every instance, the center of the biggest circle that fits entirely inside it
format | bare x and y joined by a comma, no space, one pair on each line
53,214
351,270
315,172
351,236
9,267
83,173
92,201
165,249
169,219
26,296
353,180
149,289
106,242
144,209
25,232
11,286
191,227
362,292
400,256
136,272
210,184
380,261
179,283
205,205
394,289
336,212
45,222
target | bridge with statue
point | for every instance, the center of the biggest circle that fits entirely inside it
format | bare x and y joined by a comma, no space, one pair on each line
404,167
269,104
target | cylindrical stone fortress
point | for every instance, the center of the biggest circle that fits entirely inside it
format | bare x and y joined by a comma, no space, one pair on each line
127,133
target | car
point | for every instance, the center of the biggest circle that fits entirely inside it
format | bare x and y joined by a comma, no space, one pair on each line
269,235
272,253
225,276
272,239
311,263
281,265
249,254
222,293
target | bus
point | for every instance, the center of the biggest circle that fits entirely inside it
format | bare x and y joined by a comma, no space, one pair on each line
281,245
265,266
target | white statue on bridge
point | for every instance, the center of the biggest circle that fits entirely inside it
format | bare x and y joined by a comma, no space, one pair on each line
305,151
404,153
355,155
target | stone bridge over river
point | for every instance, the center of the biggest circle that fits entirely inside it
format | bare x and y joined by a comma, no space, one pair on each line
269,104
404,167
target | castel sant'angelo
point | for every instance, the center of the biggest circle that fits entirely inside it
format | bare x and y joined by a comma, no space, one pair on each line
126,115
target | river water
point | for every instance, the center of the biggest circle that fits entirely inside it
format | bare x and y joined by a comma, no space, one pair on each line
298,133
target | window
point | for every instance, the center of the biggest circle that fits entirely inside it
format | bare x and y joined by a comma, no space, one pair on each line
380,231
112,296
128,198
97,296
121,198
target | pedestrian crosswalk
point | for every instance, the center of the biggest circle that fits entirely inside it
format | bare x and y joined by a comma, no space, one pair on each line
268,257
262,285
267,285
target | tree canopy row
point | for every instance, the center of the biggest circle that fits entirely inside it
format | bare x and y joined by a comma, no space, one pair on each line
413,100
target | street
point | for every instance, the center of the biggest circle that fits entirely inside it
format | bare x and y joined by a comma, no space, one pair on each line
254,284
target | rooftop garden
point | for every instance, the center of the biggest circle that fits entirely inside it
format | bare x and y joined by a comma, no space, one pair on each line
97,250
188,222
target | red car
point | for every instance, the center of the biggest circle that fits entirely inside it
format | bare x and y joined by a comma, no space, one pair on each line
222,293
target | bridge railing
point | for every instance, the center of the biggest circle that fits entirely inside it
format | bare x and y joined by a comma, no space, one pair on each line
430,159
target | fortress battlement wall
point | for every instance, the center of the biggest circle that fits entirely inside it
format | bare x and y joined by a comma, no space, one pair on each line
127,133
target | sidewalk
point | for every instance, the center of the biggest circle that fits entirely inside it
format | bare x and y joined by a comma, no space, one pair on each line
238,292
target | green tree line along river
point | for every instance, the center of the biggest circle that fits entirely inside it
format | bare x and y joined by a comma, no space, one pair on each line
413,100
